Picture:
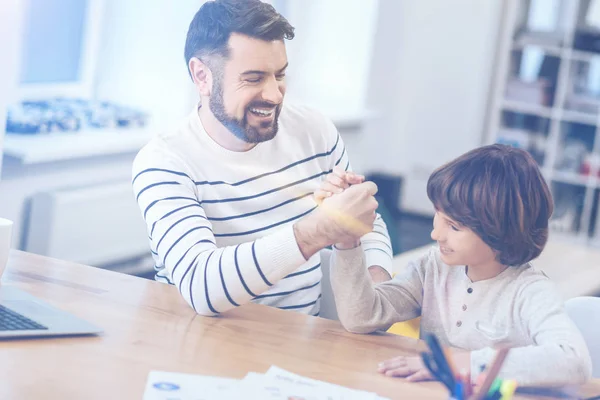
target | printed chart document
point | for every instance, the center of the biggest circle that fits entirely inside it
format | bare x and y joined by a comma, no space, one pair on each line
175,386
275,384
344,392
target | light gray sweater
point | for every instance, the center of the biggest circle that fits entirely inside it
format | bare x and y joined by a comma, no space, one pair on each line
520,308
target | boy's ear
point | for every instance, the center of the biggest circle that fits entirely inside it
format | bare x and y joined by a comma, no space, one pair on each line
201,75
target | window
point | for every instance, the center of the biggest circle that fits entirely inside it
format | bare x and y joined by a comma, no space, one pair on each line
60,45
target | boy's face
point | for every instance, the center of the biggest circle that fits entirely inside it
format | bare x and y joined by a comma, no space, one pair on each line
459,245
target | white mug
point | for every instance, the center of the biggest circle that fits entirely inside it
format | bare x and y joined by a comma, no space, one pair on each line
5,241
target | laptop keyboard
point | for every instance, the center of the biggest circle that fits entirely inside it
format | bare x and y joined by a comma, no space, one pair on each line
13,321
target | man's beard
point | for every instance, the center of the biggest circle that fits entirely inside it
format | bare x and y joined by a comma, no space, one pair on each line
240,127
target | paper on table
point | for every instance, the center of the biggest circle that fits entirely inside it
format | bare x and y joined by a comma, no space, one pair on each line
262,387
276,384
346,393
175,386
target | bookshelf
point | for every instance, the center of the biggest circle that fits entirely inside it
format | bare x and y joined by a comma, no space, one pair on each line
545,98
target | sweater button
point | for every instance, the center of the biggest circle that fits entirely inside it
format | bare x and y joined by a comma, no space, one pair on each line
459,324
470,290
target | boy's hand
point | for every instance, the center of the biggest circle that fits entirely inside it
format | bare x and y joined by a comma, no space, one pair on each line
336,182
411,368
414,370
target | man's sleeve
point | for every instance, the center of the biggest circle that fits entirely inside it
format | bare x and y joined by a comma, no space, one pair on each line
211,279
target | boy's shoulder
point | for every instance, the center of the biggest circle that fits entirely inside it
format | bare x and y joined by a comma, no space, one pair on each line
427,260
530,281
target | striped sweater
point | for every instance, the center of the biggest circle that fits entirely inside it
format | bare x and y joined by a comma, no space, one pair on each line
220,223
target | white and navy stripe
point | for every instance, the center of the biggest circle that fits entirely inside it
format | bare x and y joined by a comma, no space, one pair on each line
223,235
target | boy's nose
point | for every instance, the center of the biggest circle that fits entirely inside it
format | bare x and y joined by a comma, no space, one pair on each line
436,235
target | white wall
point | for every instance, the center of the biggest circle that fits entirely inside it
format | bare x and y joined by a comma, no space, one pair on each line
430,78
141,62
331,53
11,16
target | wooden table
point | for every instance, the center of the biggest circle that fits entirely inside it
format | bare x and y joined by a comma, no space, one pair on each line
149,327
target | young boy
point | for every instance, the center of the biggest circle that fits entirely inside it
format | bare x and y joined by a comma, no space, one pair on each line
476,290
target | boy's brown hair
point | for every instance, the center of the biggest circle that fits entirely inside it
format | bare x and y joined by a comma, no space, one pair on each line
499,193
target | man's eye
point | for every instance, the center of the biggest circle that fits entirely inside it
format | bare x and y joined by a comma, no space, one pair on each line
280,77
454,228
253,80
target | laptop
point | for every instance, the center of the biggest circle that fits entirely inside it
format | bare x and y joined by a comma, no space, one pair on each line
23,315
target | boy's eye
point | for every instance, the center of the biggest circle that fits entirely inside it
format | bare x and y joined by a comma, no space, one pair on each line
280,77
454,228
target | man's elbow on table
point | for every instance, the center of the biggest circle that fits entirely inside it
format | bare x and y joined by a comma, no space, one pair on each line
206,313
204,309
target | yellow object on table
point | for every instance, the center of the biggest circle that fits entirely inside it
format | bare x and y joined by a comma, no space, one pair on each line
407,328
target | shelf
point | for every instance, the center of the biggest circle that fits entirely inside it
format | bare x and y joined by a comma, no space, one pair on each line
570,178
579,117
584,56
549,50
561,79
547,112
555,51
527,108
62,146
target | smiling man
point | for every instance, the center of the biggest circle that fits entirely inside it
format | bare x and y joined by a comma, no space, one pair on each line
227,196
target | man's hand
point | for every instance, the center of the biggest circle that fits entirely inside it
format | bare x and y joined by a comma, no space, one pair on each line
349,215
336,182
378,274
342,218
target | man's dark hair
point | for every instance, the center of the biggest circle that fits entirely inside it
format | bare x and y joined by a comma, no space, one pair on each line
499,193
216,20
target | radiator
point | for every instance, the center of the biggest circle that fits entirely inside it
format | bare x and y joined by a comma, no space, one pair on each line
98,225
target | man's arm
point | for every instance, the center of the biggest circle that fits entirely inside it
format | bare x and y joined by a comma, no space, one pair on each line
378,251
378,274
211,279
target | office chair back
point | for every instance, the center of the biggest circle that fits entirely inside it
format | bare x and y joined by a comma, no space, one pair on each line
585,312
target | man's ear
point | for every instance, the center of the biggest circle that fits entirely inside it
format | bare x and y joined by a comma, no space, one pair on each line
201,75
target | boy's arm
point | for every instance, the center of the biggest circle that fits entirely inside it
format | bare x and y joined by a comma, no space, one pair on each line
376,245
364,307
559,355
